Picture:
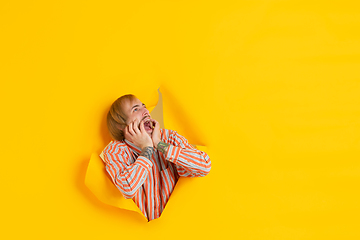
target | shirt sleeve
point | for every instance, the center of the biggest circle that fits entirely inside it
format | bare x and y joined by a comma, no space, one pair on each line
128,178
189,161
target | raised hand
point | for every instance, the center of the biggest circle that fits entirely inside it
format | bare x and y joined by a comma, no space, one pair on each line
137,135
155,136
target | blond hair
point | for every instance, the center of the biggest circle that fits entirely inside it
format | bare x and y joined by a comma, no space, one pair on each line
116,117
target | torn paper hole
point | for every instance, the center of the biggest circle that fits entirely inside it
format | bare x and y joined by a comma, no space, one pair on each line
100,183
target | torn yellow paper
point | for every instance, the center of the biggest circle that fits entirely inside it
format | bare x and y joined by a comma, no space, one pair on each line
101,185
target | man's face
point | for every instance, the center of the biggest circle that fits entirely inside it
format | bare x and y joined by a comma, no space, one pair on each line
135,109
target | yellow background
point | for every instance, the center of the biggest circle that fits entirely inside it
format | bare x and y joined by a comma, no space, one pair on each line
270,87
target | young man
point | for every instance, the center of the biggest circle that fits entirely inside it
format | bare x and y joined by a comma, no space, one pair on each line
145,161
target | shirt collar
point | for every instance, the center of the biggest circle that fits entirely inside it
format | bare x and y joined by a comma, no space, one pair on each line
132,146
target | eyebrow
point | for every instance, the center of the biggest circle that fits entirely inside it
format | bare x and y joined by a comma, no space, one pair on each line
137,105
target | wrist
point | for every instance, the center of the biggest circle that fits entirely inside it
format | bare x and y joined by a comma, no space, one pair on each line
147,152
156,143
162,147
146,145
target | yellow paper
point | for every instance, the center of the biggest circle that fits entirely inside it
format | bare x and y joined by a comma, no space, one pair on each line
271,87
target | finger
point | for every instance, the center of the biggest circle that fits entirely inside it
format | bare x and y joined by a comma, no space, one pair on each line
128,129
156,123
142,128
127,134
131,128
136,126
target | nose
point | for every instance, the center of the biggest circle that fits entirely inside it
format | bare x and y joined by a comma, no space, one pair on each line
145,112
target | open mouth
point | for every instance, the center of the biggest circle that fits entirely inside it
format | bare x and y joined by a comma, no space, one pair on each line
148,124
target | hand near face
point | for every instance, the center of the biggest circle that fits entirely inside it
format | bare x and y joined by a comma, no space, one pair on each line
156,133
137,135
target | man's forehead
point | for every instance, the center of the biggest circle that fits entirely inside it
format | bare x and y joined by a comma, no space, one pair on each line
131,103
135,102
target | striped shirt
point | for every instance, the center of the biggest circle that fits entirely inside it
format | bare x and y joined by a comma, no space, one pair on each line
150,182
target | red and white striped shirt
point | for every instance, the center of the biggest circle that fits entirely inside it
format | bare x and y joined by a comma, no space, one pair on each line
150,182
